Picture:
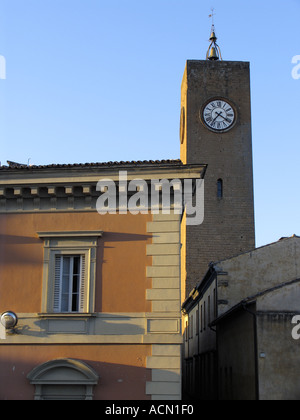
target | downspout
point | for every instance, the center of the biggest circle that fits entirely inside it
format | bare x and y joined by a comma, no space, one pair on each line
216,356
217,374
254,315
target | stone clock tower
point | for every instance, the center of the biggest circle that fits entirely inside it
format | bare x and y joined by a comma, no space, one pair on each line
215,129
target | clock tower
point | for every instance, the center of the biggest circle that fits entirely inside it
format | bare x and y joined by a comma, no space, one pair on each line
215,129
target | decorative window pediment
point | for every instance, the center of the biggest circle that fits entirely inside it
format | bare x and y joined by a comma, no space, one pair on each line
63,379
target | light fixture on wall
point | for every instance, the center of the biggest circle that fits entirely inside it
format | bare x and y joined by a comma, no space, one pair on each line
9,320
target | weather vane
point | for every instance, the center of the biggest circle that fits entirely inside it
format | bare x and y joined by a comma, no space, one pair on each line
212,16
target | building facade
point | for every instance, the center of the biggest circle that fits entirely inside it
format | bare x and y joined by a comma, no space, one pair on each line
97,296
239,321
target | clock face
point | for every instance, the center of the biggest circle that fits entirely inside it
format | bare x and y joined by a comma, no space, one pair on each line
218,115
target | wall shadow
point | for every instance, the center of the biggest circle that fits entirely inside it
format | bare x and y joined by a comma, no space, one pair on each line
117,381
108,324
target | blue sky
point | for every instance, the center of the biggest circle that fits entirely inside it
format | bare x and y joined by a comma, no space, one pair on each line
94,80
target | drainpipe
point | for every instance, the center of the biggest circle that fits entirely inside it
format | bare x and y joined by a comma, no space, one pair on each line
254,315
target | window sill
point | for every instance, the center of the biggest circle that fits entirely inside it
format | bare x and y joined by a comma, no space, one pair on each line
67,315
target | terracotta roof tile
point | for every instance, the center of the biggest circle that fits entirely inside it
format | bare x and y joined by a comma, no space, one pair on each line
14,165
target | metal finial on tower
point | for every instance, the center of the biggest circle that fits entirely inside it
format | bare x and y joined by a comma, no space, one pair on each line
213,52
212,15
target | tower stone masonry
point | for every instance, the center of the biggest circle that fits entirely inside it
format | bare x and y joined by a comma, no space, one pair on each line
216,130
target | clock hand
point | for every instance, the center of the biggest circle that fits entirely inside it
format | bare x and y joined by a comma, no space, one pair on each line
226,119
218,114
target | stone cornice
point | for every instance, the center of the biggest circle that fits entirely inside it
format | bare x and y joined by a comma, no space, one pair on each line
67,189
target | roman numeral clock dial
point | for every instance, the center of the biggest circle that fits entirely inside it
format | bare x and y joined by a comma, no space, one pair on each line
218,115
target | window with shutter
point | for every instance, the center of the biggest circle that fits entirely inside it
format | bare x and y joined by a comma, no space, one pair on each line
69,284
69,273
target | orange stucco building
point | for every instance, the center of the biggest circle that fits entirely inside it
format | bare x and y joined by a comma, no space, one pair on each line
97,296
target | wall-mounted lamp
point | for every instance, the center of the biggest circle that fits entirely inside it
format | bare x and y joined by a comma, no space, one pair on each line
9,320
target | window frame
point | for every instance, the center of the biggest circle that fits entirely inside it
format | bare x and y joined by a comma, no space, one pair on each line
69,244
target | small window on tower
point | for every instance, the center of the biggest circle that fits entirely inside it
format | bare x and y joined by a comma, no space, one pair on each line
220,188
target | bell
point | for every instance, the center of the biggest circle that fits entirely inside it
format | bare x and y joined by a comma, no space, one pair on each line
213,36
212,54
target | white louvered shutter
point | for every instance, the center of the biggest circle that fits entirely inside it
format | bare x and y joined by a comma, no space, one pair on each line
83,284
57,283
